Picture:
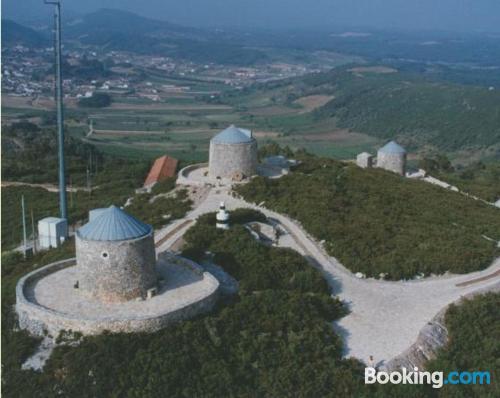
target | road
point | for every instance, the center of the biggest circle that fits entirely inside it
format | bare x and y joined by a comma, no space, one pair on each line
385,316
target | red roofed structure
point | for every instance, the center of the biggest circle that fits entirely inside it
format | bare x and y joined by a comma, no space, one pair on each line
163,168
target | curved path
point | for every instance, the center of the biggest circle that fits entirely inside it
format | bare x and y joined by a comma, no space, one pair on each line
385,316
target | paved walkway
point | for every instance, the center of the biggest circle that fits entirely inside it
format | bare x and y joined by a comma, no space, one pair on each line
385,316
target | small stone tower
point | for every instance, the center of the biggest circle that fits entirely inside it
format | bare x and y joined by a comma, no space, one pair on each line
222,217
116,257
233,154
392,157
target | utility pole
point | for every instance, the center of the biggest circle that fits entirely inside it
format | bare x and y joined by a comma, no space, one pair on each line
59,104
89,183
71,204
33,232
24,226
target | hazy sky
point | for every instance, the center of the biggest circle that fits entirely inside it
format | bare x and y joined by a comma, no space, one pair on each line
455,15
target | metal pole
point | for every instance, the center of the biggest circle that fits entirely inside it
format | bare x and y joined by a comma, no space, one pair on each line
24,226
33,231
71,193
59,104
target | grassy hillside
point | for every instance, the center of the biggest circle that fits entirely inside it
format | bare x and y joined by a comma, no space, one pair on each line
384,103
478,179
125,31
16,34
376,222
447,116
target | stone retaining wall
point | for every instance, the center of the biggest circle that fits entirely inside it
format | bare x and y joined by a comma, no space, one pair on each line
39,320
431,338
183,176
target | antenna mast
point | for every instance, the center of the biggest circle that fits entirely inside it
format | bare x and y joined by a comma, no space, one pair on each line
59,104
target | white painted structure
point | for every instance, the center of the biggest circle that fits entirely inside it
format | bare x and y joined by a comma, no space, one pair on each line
222,217
52,232
364,160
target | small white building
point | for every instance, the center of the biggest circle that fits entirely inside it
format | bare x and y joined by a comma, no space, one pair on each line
364,160
52,232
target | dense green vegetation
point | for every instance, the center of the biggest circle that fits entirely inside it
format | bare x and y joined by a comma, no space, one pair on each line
30,154
376,222
18,345
479,179
159,210
98,100
474,328
114,187
420,112
274,339
447,116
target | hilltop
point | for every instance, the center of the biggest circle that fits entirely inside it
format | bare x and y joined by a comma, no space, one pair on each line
16,34
120,30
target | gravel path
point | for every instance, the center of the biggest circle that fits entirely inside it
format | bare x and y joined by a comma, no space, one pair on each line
385,316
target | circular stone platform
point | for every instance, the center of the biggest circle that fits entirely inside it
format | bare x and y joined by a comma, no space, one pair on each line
197,174
48,302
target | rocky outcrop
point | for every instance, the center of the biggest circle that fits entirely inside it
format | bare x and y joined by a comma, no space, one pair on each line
431,338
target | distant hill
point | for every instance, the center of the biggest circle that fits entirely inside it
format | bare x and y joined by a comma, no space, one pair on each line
108,21
126,31
14,34
424,113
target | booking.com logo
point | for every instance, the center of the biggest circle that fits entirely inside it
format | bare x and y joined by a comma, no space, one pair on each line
437,379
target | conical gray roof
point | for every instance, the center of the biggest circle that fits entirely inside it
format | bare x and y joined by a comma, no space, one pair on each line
392,147
113,224
233,135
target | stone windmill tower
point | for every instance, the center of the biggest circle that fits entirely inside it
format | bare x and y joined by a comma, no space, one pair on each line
116,257
392,157
233,154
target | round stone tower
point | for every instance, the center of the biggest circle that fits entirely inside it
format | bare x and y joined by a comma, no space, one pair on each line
233,154
116,258
392,157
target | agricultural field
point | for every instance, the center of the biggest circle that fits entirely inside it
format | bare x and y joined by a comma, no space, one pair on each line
182,122
335,114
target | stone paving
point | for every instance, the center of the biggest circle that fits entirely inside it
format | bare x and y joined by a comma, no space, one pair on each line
385,317
56,292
